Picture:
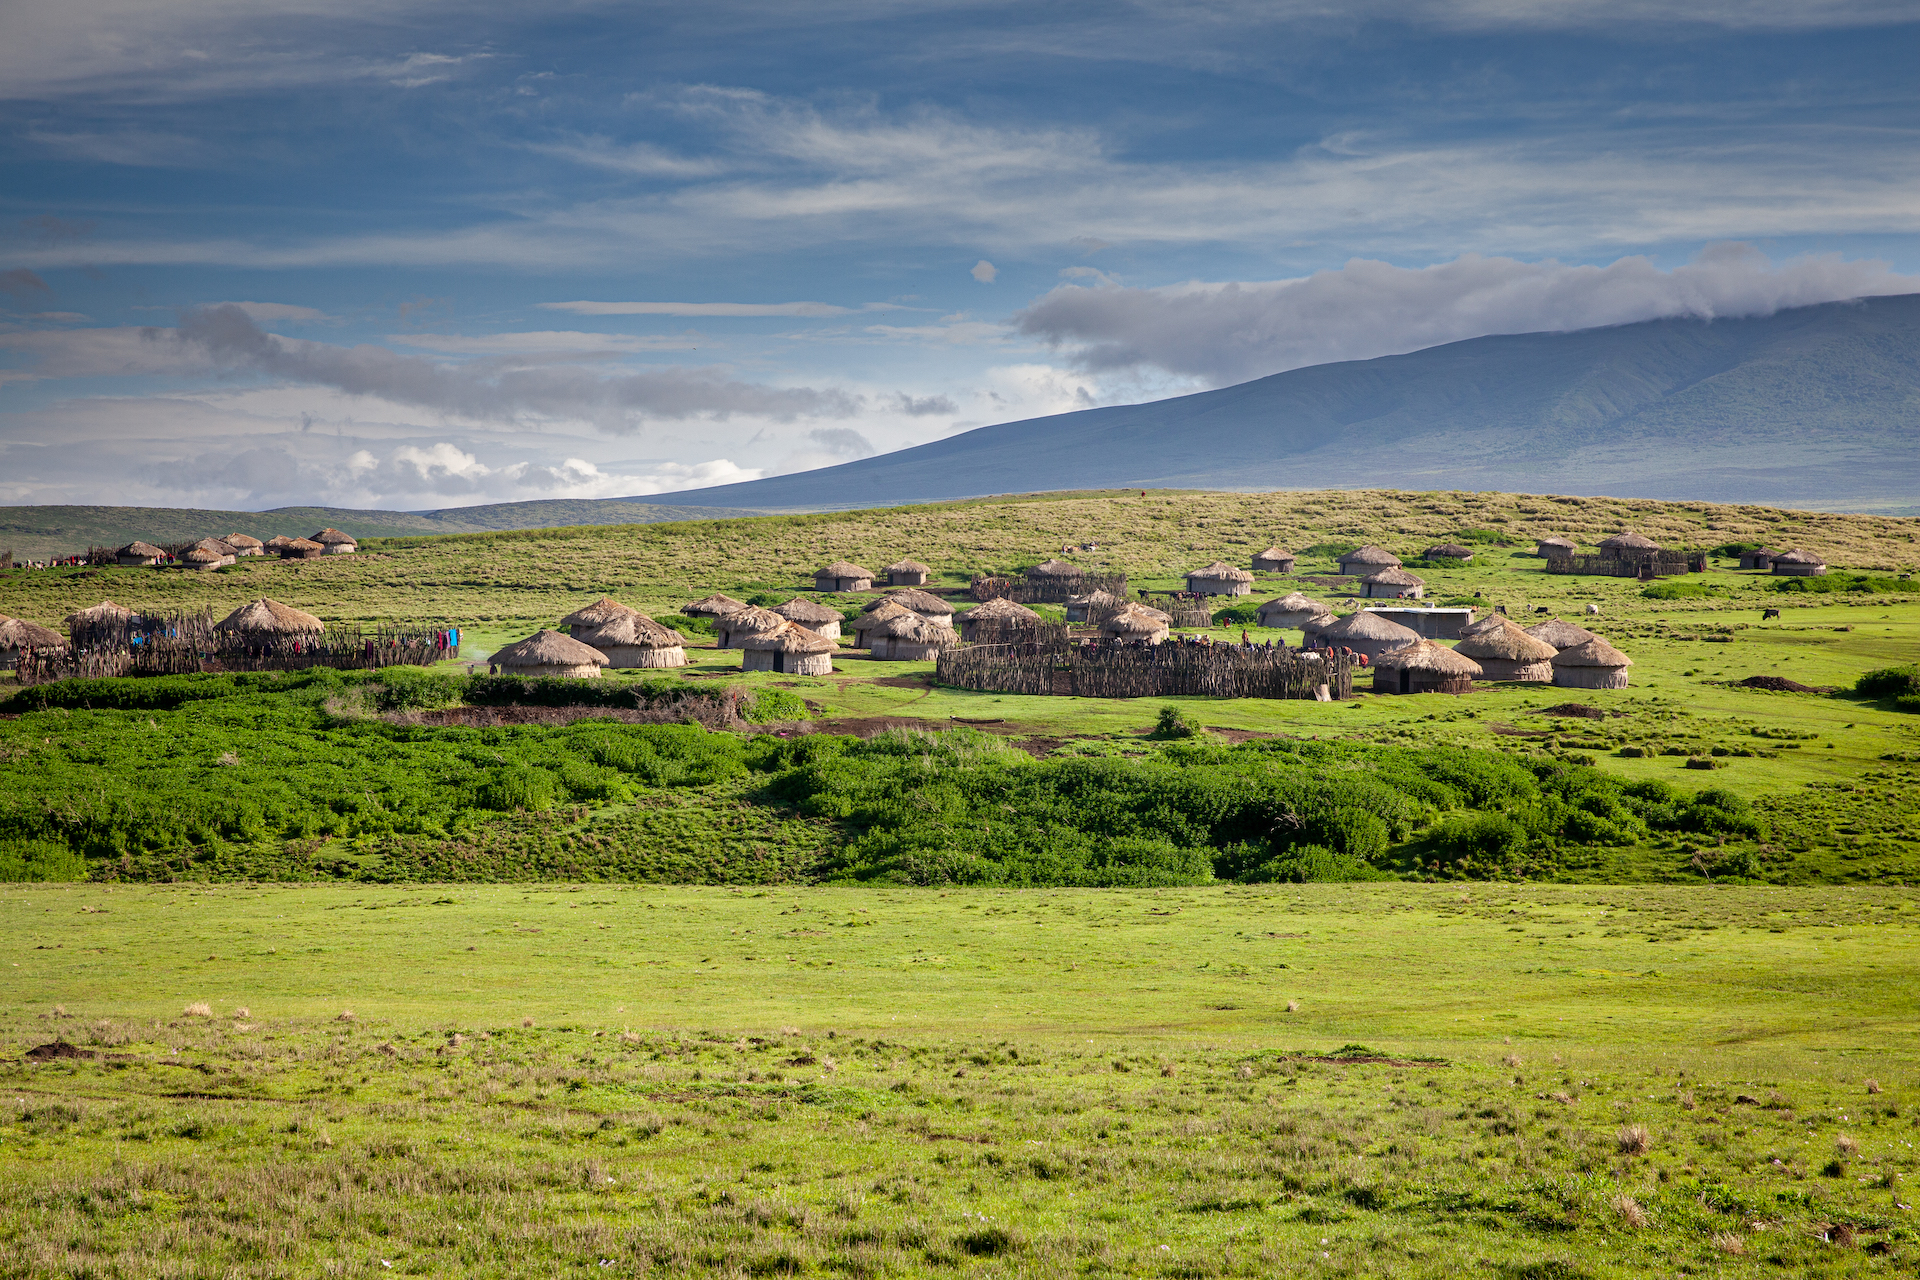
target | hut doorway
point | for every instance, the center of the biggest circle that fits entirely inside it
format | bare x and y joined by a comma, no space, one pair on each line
1406,680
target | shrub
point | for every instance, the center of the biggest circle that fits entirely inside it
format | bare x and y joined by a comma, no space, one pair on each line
414,689
1889,682
1676,590
39,860
516,788
1174,722
1239,615
1848,583
771,706
1485,839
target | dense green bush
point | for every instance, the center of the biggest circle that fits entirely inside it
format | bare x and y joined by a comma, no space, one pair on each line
1853,583
1678,589
771,706
1889,682
1238,615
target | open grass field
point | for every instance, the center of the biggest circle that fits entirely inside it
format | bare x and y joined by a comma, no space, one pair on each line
1354,1080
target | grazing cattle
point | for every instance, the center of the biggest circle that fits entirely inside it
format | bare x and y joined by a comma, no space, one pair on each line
1500,609
1593,609
1540,609
1769,613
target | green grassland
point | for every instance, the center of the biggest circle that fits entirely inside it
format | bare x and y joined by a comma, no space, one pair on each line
1351,1080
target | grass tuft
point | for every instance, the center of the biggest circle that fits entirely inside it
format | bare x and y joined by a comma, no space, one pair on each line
1633,1140
198,1009
1629,1211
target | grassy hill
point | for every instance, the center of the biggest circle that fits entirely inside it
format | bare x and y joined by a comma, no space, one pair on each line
1811,406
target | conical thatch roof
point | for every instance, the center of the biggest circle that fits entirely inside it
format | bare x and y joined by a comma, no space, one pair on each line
1395,577
138,548
791,638
1629,542
270,617
1797,556
1553,542
302,544
1094,598
1506,642
1223,571
842,569
545,648
1371,554
94,615
1428,656
1447,551
597,614
801,609
884,609
1151,612
1367,625
1000,609
1275,553
214,545
910,626
1561,635
1135,621
202,555
629,628
333,538
276,542
241,541
755,620
1491,622
921,602
1592,653
1295,602
18,633
908,566
713,606
1055,569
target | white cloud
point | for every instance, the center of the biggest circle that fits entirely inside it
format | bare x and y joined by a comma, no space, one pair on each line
983,271
713,308
555,342
1229,332
268,312
640,159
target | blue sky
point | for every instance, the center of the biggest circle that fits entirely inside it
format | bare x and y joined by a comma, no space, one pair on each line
420,255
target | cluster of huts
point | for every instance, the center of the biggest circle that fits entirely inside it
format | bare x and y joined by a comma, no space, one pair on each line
212,553
257,620
1494,648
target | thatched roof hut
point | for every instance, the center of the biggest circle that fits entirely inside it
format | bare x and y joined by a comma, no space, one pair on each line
995,613
842,575
301,549
1294,609
1137,622
631,640
1757,558
548,653
812,615
1274,560
244,544
105,614
1055,570
203,558
713,606
1594,664
1393,584
1505,652
907,573
1448,551
1553,548
1424,667
277,543
1090,607
908,637
924,603
1628,546
792,650
138,553
1368,559
880,611
1489,623
1220,579
1561,635
1799,564
597,614
336,542
269,618
732,630
18,635
1366,633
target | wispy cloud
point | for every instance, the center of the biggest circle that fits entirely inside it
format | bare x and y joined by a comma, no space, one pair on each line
710,309
548,342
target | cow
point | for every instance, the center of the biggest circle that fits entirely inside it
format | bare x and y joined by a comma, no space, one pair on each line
1593,609
1769,613
1542,609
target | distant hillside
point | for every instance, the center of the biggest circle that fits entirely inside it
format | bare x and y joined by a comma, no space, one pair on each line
1817,406
41,532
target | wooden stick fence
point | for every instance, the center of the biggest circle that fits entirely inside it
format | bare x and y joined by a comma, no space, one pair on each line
1148,671
183,642
1048,590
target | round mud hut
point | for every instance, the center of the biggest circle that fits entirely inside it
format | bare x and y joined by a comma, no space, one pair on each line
715,606
1220,579
907,573
842,575
1553,548
275,545
1425,667
1274,560
335,542
792,650
995,616
244,544
1366,633
908,637
631,640
103,623
1490,622
136,554
1561,635
1758,558
17,636
1448,551
880,611
548,653
268,619
731,631
1054,571
1628,546
302,549
1393,584
1505,652
1138,623
924,603
597,614
1798,564
812,615
1594,664
203,559
1091,607
1293,610
1368,559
